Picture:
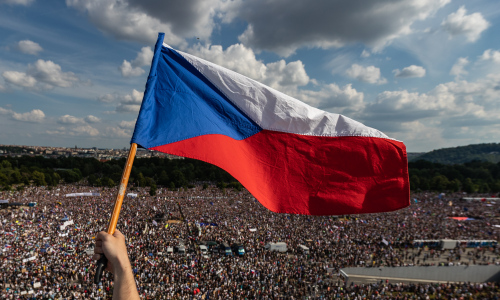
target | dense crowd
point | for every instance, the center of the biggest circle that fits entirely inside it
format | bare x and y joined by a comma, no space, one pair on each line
42,260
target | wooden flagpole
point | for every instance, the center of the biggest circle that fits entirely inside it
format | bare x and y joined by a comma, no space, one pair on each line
103,261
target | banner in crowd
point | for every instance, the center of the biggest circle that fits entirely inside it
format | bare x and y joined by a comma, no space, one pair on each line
29,259
82,194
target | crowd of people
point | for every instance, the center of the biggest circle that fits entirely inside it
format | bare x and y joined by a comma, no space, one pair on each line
47,248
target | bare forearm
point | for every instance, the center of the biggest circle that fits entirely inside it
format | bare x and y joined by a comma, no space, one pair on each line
124,284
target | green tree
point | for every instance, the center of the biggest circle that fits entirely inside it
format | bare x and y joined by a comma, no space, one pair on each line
4,180
140,180
56,178
149,181
439,183
152,190
106,181
178,179
88,169
495,186
484,187
78,173
171,186
116,177
236,185
38,178
163,179
16,177
48,179
468,186
424,184
454,185
26,179
6,164
221,185
92,179
70,176
414,182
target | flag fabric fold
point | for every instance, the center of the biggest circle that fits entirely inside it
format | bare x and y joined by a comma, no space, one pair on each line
292,157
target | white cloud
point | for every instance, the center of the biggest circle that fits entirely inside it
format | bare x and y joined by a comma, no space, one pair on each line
2,88
280,27
454,112
58,132
403,106
417,134
134,68
67,119
50,73
341,62
323,24
492,55
459,98
117,132
42,74
135,97
29,47
124,108
85,130
457,69
71,120
370,74
471,26
482,94
19,79
128,71
18,2
143,58
92,119
142,20
127,124
236,57
334,98
4,111
107,98
411,71
34,116
130,102
365,54
279,75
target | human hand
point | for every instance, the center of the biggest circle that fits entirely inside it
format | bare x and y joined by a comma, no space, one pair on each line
114,248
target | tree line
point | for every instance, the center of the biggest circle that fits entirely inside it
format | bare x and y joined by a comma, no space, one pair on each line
470,177
462,154
17,172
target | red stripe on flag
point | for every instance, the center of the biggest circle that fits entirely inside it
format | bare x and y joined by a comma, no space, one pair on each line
291,173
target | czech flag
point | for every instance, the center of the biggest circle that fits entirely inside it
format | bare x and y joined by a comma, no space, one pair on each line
292,157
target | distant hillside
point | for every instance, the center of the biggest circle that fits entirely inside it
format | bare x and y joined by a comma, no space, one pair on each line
462,154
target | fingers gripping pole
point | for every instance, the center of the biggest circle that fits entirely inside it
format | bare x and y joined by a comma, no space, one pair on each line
103,261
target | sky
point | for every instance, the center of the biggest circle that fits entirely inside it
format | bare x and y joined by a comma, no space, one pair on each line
425,72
